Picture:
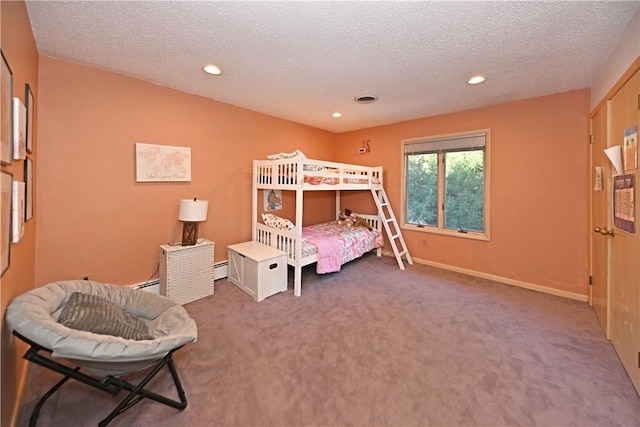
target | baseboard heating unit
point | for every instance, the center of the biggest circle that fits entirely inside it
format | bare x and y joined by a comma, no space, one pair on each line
220,270
152,286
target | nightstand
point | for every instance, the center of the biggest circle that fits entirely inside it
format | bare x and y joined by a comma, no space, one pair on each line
186,272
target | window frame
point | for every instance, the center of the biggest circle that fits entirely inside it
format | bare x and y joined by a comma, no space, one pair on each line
439,228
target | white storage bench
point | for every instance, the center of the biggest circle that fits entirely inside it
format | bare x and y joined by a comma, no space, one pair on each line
257,269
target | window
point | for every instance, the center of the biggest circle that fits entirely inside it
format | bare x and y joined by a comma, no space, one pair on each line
446,184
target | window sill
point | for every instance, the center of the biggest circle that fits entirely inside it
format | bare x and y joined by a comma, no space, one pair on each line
445,232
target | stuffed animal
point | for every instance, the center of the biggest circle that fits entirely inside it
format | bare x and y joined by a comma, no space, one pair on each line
349,219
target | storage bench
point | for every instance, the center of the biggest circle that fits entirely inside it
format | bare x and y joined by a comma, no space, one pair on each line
257,269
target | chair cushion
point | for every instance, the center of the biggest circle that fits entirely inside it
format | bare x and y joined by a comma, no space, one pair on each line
92,313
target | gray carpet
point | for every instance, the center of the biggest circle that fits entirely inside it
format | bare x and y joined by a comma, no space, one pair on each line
375,346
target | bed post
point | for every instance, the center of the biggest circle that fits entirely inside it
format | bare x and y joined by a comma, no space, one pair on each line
297,280
254,202
338,207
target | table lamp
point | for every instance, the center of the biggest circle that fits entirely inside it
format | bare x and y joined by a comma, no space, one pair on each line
191,213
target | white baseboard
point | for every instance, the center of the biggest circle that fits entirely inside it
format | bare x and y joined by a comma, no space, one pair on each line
505,280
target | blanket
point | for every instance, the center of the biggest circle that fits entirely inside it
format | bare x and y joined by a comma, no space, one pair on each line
329,251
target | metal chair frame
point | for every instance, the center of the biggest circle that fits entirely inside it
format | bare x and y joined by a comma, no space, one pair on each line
108,384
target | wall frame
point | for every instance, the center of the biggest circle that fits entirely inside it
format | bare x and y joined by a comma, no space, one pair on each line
31,109
17,211
19,129
157,163
6,108
6,197
28,191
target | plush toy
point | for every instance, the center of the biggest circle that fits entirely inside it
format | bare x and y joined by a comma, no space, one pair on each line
349,219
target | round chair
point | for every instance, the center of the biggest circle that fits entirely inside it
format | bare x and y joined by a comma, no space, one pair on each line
35,318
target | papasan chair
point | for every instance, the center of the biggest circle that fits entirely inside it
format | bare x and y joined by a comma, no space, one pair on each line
108,331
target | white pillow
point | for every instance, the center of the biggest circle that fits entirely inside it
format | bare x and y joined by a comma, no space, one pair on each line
278,156
277,222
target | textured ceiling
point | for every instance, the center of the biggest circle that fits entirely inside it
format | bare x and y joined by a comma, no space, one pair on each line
303,60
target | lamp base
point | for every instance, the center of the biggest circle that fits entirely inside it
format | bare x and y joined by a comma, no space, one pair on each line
189,233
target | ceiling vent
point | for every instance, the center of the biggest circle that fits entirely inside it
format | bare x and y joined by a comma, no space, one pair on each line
367,99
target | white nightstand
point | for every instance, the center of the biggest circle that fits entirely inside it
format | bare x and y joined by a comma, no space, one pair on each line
257,269
186,272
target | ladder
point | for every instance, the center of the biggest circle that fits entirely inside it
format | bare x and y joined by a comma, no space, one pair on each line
394,234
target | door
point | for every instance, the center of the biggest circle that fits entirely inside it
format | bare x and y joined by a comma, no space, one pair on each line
625,247
600,219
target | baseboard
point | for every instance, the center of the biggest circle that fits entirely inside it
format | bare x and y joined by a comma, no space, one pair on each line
505,280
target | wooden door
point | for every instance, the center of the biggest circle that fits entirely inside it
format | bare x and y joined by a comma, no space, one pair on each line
625,247
600,219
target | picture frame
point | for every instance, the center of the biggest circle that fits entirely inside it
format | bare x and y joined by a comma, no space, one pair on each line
28,191
272,200
19,129
17,211
6,187
31,109
6,108
162,163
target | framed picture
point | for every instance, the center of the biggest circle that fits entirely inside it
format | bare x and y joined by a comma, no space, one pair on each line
6,99
162,163
28,192
272,200
17,211
5,220
19,129
31,110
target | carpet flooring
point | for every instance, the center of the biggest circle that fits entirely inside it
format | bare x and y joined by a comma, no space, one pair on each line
376,346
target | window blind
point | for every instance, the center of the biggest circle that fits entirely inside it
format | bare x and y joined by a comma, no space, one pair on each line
446,144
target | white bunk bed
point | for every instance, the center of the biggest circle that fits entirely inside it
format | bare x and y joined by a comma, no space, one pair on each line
300,174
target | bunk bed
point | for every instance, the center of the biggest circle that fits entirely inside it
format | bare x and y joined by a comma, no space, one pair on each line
294,172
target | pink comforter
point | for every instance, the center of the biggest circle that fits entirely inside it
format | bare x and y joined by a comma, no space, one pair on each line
338,244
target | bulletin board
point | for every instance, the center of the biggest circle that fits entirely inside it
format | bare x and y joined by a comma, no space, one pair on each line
624,202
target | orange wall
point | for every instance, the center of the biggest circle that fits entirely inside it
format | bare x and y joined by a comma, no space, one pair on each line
539,207
20,50
95,219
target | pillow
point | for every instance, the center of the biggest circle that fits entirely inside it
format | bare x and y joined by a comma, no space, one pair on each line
278,156
95,314
277,222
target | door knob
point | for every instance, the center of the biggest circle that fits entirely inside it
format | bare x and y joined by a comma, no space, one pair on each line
604,231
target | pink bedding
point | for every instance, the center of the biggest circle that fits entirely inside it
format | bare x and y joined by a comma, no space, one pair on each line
338,244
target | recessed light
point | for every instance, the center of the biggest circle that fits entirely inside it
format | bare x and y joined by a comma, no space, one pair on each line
336,115
476,79
212,69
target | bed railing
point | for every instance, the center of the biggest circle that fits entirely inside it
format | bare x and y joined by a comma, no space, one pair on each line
315,172
283,240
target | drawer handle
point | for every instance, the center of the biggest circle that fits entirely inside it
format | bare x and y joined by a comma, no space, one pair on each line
272,266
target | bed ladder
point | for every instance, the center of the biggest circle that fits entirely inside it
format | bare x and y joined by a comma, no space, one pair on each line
395,236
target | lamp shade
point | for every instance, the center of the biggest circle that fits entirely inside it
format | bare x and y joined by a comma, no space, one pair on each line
193,210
